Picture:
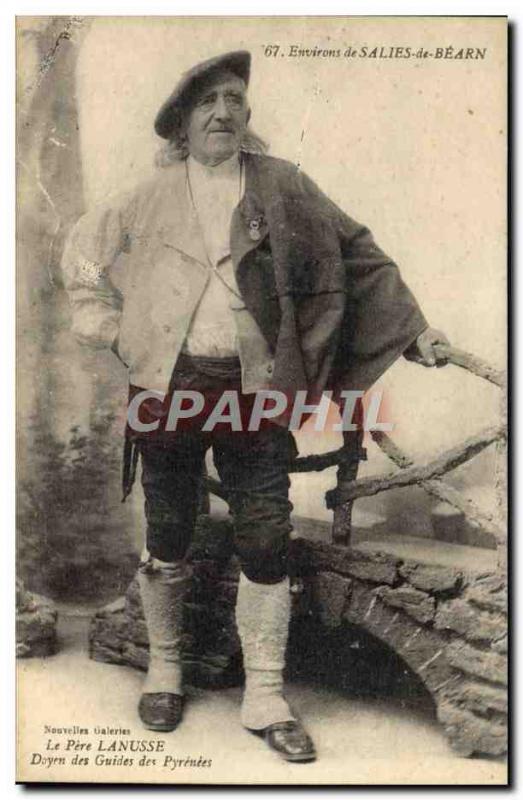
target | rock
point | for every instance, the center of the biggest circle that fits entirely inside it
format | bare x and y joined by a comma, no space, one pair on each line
477,696
33,626
424,651
475,625
362,601
36,620
22,650
138,632
135,655
484,664
491,581
431,578
414,602
489,593
329,596
500,645
24,599
108,634
470,734
421,648
374,567
133,601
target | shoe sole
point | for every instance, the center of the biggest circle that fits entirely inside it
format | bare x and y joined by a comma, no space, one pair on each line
296,759
161,728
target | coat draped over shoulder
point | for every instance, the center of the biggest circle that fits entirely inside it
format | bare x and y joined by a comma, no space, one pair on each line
345,313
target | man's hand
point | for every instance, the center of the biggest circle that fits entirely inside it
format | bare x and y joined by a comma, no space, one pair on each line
425,349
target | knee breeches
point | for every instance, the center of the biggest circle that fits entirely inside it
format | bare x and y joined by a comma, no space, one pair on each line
253,468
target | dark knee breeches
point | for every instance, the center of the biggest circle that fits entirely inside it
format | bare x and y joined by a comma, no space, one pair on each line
253,468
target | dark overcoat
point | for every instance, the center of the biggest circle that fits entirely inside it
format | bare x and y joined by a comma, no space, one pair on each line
332,305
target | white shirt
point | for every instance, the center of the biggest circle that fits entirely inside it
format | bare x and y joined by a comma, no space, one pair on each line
215,192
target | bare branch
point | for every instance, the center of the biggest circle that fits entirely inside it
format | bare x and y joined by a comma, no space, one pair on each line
479,367
438,488
418,474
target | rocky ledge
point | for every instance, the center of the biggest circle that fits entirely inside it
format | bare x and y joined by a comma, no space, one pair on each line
36,618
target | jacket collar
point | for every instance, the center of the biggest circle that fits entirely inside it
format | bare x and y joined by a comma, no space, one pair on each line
178,225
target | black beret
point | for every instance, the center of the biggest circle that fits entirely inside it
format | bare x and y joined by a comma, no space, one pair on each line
169,116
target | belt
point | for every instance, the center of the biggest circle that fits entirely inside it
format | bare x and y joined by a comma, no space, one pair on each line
226,368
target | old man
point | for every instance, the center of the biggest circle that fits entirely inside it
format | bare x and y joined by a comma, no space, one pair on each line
238,275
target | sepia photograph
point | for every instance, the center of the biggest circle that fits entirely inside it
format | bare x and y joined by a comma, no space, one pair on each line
261,394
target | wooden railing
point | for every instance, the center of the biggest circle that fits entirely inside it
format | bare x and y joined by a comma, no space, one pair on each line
428,475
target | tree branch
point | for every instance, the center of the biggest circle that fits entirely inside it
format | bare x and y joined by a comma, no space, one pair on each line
417,474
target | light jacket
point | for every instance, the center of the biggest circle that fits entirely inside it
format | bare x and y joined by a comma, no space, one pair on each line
331,307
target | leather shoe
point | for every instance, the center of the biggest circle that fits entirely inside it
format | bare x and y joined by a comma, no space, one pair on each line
160,711
290,740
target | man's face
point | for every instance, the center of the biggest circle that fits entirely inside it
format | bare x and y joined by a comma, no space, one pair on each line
217,120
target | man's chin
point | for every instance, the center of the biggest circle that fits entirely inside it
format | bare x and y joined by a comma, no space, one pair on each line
224,150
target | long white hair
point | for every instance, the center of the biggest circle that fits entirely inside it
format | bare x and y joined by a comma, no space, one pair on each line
176,148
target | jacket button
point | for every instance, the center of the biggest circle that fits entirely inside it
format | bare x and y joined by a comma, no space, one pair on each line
167,328
270,369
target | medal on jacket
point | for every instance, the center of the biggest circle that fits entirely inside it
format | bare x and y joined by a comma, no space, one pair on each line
254,228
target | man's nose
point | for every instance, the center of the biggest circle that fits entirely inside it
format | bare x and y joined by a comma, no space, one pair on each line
221,109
